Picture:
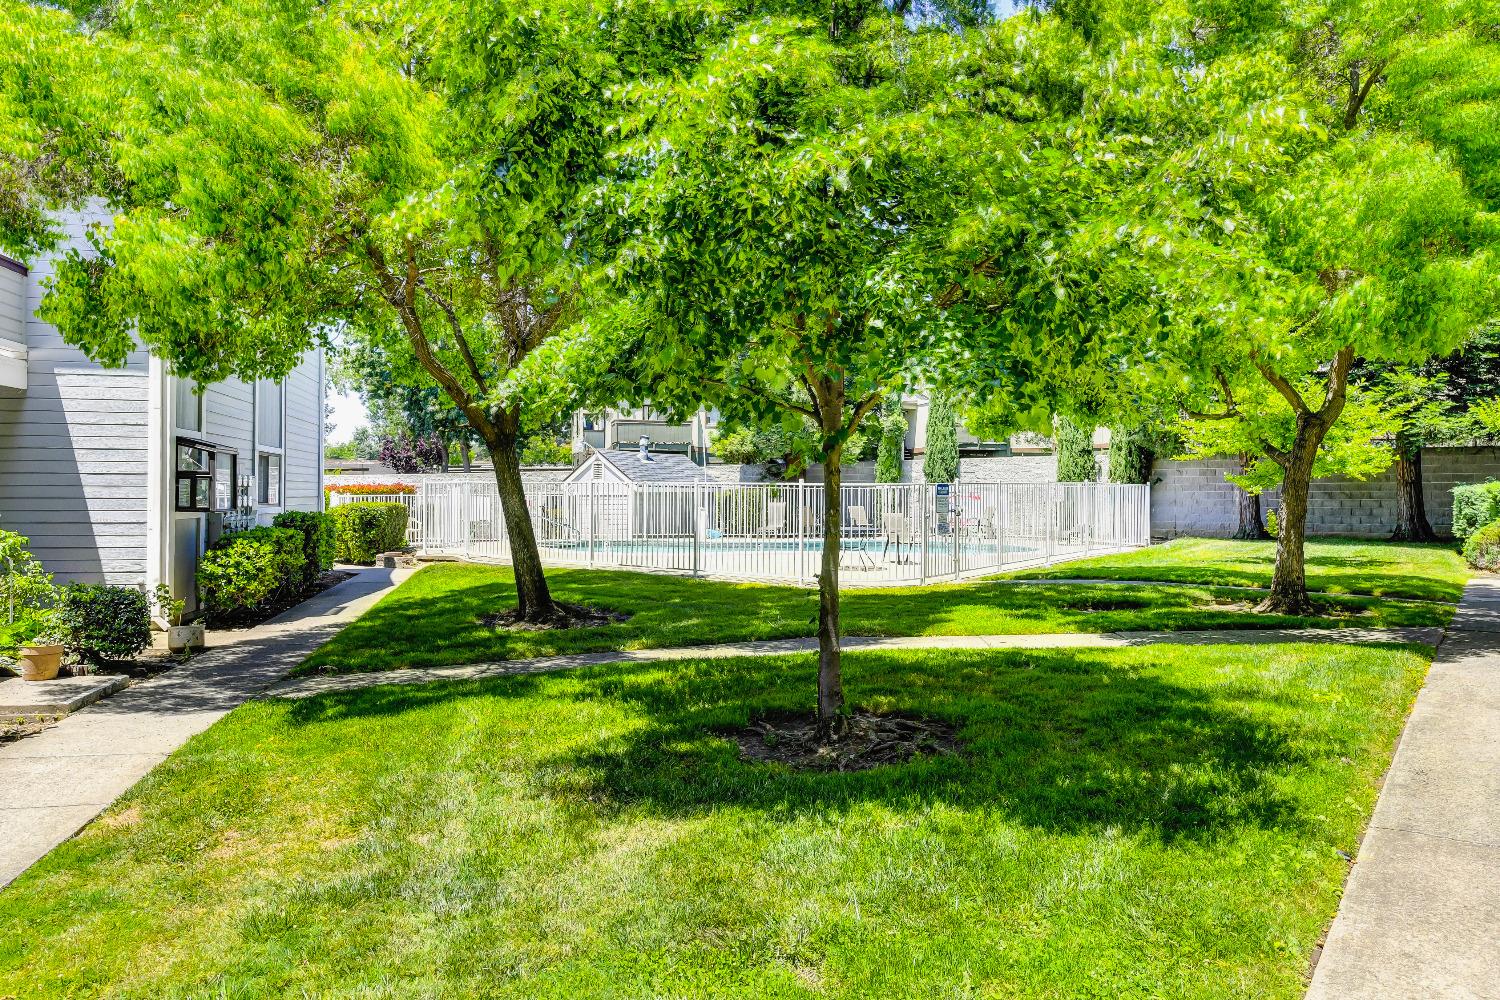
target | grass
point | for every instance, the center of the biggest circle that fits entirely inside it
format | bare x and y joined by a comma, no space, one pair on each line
434,618
1125,823
1430,572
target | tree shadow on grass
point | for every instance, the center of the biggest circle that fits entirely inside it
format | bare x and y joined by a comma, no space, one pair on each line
1059,740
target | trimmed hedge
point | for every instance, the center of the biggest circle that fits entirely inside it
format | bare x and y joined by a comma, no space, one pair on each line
317,540
1482,550
102,623
1474,506
247,569
365,529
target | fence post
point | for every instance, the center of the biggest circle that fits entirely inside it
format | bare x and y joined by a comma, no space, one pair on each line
1052,522
956,525
1002,509
927,493
697,542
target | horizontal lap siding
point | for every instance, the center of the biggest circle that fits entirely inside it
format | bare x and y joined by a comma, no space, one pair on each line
73,451
304,419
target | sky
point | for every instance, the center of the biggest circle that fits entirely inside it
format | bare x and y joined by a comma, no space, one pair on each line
348,413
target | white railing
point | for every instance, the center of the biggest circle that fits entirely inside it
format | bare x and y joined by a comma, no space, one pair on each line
772,532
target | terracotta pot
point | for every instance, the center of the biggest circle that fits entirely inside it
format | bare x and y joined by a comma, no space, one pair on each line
181,638
40,663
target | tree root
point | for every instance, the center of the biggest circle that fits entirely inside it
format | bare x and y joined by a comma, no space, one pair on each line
870,740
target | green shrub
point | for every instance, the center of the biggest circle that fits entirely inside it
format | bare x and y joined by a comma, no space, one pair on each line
1474,506
365,529
1482,550
541,451
244,571
102,623
317,540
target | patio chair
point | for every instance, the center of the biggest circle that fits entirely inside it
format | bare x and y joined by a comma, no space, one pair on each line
897,532
775,523
859,526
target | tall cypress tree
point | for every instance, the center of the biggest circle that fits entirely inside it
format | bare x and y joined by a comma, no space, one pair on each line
940,464
892,442
1075,453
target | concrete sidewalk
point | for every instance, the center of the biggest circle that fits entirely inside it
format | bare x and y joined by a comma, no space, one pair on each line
1420,917
52,784
304,687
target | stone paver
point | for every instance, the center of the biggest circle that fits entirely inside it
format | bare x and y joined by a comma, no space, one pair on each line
1420,917
308,686
59,696
53,783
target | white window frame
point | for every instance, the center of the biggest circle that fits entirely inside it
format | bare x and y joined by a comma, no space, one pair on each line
181,429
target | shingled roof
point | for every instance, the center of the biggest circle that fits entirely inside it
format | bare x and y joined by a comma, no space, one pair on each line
655,468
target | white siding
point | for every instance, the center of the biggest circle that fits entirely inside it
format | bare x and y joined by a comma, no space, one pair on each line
303,461
73,449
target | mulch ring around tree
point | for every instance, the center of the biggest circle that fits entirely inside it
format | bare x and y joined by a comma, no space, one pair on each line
873,740
568,616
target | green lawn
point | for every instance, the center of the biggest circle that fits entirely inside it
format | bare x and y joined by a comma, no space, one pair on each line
1125,823
434,618
1334,565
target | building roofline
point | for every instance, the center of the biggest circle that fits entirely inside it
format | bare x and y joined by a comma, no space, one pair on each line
13,265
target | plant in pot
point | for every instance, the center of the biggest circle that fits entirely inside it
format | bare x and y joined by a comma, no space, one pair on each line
41,656
180,638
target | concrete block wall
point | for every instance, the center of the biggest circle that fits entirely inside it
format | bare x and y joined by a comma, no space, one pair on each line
1193,497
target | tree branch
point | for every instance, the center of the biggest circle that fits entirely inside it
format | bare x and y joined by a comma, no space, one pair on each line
397,294
458,335
1358,94
1281,385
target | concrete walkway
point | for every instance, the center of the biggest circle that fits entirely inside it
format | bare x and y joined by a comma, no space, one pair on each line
304,687
1420,918
54,783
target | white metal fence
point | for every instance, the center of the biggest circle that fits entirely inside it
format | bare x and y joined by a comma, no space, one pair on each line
772,532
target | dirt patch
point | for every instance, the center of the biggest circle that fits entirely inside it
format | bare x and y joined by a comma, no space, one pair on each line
1110,604
264,613
872,741
568,616
14,729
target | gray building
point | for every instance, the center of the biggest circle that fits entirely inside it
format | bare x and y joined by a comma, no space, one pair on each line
123,475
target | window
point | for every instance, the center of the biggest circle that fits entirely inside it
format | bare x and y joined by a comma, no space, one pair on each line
226,468
189,405
194,473
268,475
268,407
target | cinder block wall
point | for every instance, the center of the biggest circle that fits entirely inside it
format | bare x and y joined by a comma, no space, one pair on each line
1193,498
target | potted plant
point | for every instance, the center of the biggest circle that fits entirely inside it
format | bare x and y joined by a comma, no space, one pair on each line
180,637
41,656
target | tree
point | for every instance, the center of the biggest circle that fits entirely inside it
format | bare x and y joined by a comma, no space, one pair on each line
781,221
409,177
1075,453
1293,216
1435,402
892,447
940,460
1357,447
407,454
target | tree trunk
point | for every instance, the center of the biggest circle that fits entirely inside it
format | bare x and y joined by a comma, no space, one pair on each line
533,597
832,722
1250,527
1411,510
467,451
1289,580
